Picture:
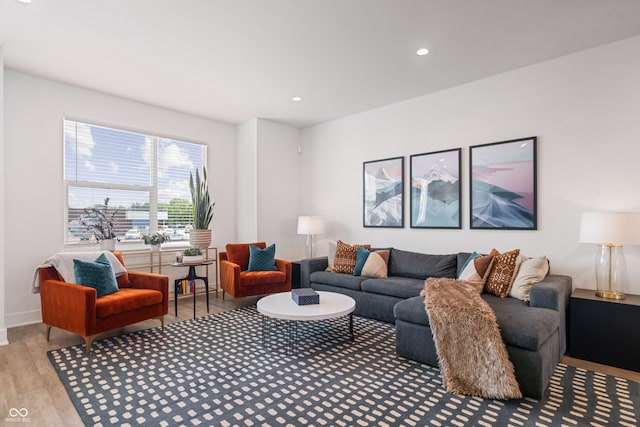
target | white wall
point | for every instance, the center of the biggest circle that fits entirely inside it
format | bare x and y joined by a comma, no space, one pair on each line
278,188
584,108
247,181
33,201
268,183
3,328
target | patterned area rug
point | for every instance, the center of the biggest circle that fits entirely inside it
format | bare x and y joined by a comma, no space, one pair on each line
215,371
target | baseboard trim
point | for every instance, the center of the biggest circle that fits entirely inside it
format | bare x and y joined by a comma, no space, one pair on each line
23,318
4,340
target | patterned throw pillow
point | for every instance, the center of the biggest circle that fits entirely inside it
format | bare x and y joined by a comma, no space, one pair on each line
531,271
502,273
97,274
345,259
262,259
376,264
476,270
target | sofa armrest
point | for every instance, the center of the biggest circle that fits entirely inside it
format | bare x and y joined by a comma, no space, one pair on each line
308,266
229,276
68,306
553,293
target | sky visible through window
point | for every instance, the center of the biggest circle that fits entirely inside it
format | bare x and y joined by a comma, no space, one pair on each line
105,156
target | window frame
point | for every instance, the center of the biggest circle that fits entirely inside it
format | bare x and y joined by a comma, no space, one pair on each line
152,189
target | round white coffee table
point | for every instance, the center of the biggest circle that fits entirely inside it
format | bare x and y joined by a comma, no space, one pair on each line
281,306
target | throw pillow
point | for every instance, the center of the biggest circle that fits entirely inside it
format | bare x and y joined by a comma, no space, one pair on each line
362,255
96,274
376,264
262,259
532,271
331,255
476,270
345,259
502,273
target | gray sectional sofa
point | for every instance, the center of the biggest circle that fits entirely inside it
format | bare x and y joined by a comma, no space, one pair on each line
534,332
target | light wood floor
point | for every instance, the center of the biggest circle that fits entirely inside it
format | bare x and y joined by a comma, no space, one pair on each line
27,379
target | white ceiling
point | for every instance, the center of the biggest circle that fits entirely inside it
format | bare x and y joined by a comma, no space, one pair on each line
233,60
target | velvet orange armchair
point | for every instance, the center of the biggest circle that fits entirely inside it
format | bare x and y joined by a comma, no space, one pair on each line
238,282
77,309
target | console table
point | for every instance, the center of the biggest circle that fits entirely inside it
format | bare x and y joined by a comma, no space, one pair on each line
605,331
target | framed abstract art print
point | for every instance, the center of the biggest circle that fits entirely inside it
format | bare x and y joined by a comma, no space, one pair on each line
503,185
383,193
435,189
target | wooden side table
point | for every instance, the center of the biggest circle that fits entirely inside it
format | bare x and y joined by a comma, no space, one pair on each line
191,276
605,331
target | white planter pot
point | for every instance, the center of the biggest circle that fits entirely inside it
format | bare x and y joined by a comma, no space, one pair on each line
194,259
108,245
155,248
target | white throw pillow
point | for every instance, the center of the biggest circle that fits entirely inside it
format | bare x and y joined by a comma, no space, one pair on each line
332,254
532,271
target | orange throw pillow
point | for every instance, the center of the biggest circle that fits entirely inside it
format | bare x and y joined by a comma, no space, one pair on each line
502,273
345,259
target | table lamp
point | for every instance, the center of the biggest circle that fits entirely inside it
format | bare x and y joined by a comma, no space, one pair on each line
610,230
310,226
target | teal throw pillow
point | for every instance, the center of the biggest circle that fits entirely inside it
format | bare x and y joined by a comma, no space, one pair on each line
97,274
361,258
262,259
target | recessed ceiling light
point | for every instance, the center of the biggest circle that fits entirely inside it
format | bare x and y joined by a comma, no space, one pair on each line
24,1
422,52
296,99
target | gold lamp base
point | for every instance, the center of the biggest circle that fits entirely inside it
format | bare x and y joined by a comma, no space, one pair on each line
610,294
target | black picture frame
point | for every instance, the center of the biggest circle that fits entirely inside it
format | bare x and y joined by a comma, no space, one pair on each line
435,189
503,185
383,193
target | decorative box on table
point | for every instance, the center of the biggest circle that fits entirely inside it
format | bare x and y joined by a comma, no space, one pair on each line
305,296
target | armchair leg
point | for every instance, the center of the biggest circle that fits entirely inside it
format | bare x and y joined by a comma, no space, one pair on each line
161,319
88,341
48,332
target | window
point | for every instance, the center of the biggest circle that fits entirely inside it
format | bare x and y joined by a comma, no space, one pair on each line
145,177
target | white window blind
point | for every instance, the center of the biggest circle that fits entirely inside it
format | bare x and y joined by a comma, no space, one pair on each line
145,177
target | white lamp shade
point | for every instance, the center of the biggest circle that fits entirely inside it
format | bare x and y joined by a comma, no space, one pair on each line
619,228
310,225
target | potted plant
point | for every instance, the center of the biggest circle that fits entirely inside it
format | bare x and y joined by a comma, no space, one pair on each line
202,207
192,255
155,240
102,223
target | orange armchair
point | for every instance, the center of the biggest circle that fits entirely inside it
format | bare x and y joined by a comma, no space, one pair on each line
238,282
77,309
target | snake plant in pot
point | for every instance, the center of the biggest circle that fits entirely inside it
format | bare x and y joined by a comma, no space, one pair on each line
202,207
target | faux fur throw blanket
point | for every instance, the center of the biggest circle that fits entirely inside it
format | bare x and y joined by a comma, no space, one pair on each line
473,358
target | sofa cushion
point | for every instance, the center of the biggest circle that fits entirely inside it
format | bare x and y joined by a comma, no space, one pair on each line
345,259
420,266
503,272
97,274
411,310
520,325
126,299
531,271
376,265
262,259
252,278
338,280
476,269
400,287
